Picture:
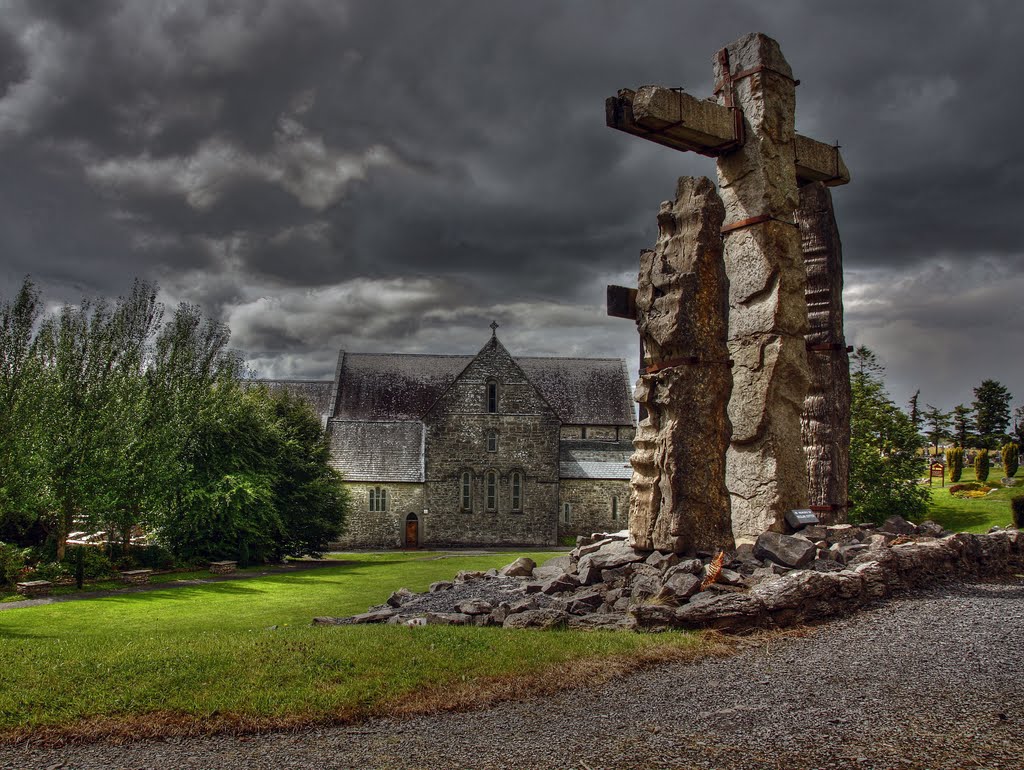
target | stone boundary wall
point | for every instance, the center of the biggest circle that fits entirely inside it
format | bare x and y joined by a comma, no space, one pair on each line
780,582
805,596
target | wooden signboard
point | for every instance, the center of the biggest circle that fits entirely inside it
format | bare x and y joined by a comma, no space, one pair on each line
937,470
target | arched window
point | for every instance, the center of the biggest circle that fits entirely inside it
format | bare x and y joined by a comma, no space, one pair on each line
492,397
517,491
466,482
615,508
492,491
378,499
566,513
492,441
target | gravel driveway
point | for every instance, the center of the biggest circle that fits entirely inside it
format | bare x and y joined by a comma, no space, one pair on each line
930,681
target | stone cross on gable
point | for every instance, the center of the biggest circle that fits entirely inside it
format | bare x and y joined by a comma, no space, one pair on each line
749,127
494,328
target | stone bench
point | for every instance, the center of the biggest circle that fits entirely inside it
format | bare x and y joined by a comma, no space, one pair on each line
33,589
136,577
223,567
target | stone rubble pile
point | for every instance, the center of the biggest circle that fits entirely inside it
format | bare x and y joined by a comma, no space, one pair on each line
779,581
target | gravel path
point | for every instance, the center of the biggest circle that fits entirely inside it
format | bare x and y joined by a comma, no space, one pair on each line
931,681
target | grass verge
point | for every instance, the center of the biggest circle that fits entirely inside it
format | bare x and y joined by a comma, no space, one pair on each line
973,515
242,655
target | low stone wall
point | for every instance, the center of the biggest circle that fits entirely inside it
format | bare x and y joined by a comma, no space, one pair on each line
136,577
223,567
780,581
33,589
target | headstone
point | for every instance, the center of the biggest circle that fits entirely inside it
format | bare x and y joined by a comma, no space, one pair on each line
679,501
826,414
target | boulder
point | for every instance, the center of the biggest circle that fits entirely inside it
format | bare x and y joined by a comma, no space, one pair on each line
542,619
588,574
400,597
897,525
557,585
474,607
440,585
842,533
682,585
787,550
589,548
930,528
521,567
617,553
585,601
732,612
601,622
690,566
662,561
466,576
448,619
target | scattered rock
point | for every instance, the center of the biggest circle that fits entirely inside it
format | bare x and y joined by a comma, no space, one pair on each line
440,585
557,585
662,561
521,567
787,550
543,619
474,607
897,525
400,597
930,528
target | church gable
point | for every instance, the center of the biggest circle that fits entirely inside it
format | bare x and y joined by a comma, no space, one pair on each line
491,383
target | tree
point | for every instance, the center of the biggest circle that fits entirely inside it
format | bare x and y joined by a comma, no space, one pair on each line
937,425
961,425
991,413
21,430
884,467
915,415
1018,425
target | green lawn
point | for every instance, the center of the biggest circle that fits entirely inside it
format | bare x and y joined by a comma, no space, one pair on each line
245,650
973,515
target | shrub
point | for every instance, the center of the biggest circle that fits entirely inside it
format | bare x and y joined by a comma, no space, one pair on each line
95,563
1011,457
981,465
12,562
1017,507
955,463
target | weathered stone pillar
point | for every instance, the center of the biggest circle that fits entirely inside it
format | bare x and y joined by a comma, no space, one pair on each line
826,417
766,470
679,501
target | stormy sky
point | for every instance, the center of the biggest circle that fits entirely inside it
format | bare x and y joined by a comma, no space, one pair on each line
391,176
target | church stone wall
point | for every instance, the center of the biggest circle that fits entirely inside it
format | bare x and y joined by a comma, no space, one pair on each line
527,442
381,529
591,501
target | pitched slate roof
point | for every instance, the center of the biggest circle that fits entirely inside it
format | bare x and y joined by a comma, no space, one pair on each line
317,393
594,460
393,386
398,386
377,451
583,391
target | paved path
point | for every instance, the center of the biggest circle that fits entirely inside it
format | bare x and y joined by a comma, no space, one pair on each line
934,681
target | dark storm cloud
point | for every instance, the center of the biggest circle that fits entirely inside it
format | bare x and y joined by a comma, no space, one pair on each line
395,174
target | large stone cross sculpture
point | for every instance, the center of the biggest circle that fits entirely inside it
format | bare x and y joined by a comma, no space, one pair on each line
749,128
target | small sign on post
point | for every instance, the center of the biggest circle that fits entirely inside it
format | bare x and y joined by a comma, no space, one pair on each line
937,470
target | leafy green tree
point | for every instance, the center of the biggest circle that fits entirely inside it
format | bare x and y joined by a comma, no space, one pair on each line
937,424
21,429
884,466
1018,425
962,425
991,413
308,493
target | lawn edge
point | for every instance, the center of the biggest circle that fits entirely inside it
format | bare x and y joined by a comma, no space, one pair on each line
465,696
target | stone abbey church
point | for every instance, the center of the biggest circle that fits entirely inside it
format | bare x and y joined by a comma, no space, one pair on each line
477,450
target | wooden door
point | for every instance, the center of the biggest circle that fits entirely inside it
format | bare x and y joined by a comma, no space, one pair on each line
412,532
